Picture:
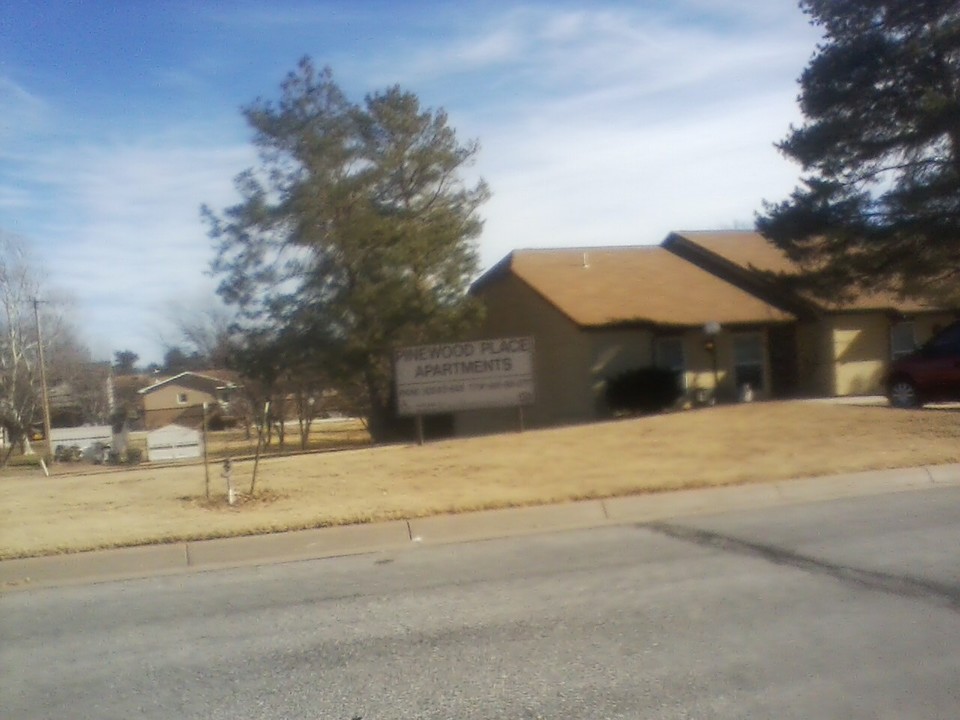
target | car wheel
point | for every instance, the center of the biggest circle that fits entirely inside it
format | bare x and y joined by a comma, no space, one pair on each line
903,394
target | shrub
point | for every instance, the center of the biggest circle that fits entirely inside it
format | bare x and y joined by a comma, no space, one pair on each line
64,453
643,390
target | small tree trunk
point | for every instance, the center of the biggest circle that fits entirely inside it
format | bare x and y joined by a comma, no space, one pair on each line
256,459
383,423
6,456
278,418
304,417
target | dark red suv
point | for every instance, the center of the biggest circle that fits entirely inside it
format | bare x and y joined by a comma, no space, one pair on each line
928,374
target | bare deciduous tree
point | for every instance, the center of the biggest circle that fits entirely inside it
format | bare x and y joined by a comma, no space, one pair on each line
23,302
202,328
19,368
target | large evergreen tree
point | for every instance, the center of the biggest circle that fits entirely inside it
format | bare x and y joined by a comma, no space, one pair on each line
880,150
356,233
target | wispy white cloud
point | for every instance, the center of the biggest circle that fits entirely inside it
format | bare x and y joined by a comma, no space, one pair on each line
561,50
608,123
615,127
22,113
14,197
127,235
628,186
496,48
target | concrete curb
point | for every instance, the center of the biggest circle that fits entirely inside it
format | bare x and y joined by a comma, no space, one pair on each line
396,535
488,524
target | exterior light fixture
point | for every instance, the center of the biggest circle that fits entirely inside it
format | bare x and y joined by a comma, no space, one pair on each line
711,330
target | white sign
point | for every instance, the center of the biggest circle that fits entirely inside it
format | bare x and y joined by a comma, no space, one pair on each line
463,376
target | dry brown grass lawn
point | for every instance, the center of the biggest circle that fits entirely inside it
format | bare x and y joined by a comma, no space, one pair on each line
720,446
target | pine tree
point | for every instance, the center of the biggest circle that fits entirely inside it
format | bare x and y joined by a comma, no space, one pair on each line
880,149
357,234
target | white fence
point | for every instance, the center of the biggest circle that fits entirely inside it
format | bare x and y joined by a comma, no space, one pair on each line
82,437
173,442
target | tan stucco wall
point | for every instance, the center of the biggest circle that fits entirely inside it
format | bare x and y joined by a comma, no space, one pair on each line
616,351
815,361
843,354
561,358
161,406
861,348
699,361
572,364
637,349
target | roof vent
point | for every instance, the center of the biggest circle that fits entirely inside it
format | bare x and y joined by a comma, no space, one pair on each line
586,261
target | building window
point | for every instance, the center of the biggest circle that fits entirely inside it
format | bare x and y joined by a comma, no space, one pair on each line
748,362
902,339
668,354
945,343
181,398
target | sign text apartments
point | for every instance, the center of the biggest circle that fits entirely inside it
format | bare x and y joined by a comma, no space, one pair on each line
462,376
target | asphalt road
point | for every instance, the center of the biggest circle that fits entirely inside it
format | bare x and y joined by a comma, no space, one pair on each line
841,609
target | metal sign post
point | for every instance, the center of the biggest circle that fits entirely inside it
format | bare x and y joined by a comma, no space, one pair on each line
227,474
206,465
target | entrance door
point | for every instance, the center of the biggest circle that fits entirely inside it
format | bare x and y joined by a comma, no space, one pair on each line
784,361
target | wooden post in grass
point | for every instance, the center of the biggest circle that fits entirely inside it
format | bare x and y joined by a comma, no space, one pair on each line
256,458
206,466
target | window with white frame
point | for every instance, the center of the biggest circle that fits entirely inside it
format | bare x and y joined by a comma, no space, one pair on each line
748,362
668,354
903,339
181,398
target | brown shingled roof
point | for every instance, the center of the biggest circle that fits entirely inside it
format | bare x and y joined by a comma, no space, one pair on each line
750,250
614,285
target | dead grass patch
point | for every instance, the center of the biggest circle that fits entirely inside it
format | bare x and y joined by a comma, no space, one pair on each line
718,446
241,501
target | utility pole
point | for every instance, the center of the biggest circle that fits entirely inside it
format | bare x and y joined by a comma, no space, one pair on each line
43,383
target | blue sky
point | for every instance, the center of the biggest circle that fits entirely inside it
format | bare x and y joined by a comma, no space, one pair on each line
600,123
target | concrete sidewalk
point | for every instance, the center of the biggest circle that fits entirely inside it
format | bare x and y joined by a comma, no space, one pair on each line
394,536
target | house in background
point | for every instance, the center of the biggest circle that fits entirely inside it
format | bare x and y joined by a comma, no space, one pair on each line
842,348
180,399
597,312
